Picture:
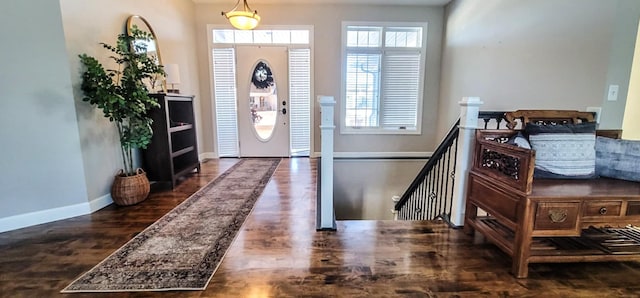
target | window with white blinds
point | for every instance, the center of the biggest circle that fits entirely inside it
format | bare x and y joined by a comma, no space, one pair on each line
300,101
224,84
362,89
383,78
400,90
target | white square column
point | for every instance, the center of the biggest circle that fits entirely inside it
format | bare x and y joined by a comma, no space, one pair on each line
327,127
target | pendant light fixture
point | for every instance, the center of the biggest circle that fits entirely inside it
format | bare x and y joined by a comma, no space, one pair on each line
245,19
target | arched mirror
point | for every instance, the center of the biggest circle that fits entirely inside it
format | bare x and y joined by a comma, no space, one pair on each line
153,49
263,101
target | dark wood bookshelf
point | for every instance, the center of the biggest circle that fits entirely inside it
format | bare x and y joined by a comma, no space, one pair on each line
173,151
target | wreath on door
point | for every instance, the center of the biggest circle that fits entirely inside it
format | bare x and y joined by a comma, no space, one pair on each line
262,77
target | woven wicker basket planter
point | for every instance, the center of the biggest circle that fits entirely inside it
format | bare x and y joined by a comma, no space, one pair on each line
130,190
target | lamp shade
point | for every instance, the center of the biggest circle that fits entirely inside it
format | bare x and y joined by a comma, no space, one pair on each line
243,20
172,73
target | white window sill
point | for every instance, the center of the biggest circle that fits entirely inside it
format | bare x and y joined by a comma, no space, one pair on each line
377,131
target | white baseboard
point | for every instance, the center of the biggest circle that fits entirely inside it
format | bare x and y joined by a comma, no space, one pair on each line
44,216
101,202
377,154
424,154
207,155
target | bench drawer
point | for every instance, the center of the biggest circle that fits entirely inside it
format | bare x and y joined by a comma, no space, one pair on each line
633,208
557,216
602,208
495,200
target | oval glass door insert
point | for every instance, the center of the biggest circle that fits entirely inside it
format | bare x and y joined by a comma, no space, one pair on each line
263,101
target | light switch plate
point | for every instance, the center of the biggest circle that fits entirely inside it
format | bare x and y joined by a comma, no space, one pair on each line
613,92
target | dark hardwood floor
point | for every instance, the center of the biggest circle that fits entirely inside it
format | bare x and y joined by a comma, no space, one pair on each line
278,253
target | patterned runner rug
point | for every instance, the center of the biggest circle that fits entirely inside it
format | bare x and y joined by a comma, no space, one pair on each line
183,249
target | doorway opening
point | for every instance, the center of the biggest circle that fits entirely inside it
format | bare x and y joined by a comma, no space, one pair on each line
242,103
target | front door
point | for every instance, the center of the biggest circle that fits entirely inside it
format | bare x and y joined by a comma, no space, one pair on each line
263,118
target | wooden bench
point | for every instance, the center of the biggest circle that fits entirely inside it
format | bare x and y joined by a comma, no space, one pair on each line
548,220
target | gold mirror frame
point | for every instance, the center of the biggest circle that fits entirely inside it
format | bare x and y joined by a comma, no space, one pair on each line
143,25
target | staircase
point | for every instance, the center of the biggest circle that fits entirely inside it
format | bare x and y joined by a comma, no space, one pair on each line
432,193
438,191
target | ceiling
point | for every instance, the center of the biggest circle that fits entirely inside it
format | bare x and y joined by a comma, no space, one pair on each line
387,2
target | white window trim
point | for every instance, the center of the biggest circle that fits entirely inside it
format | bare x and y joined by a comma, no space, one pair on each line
380,130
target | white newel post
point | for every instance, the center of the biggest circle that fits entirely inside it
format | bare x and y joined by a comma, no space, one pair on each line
327,127
469,108
395,200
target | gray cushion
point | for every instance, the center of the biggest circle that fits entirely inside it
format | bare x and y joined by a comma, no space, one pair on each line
618,159
564,151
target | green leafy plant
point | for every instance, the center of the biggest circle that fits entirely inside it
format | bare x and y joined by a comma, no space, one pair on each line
121,93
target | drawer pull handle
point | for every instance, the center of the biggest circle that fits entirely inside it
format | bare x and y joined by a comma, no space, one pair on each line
603,210
558,215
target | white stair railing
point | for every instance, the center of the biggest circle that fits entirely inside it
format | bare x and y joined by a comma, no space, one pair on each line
439,189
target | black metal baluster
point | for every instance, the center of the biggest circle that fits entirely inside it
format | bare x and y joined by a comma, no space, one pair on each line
423,198
446,186
431,189
434,191
453,177
438,207
412,208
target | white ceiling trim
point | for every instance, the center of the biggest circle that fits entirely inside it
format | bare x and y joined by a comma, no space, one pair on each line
356,2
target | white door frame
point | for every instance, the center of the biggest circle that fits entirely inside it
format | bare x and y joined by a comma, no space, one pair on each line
310,46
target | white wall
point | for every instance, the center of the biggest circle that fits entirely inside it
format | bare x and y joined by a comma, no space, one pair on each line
86,24
40,154
537,54
327,22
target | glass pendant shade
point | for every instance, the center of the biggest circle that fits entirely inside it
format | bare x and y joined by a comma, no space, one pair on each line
242,19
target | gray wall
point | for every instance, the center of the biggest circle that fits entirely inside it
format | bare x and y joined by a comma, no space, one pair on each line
59,154
40,154
86,24
327,22
363,188
537,54
631,123
622,48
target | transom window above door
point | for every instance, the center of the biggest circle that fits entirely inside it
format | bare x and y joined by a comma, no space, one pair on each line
383,77
230,36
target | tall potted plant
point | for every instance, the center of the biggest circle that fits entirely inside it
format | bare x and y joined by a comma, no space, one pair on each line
124,99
